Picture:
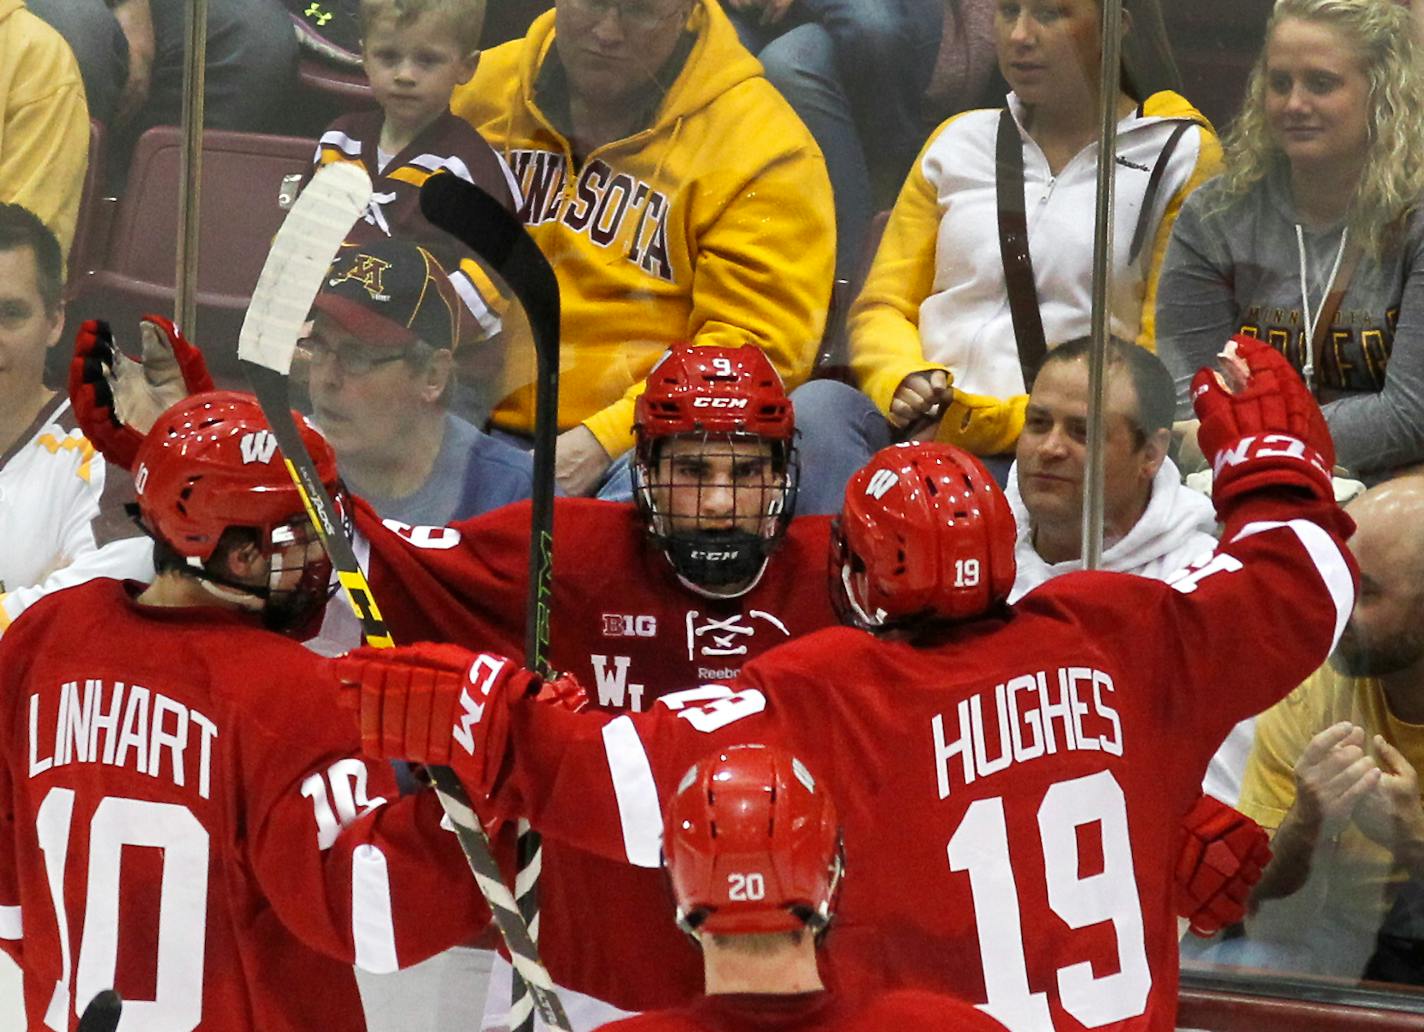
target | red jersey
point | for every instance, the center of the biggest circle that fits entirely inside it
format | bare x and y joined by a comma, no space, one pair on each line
630,629
905,1009
188,819
1012,789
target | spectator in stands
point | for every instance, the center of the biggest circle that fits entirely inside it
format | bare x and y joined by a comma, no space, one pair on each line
1153,525
856,73
415,53
61,505
754,858
1312,239
679,198
44,124
1334,768
132,55
930,335
381,353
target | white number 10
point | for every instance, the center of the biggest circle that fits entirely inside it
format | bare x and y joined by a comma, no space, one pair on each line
177,1005
980,846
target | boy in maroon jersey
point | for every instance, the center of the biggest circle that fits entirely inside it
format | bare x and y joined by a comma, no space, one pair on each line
183,820
753,855
1000,770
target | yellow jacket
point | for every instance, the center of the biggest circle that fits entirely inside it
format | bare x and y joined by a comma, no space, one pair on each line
44,121
712,224
935,297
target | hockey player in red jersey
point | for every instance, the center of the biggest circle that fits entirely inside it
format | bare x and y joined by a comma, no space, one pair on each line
706,570
183,818
753,855
1009,806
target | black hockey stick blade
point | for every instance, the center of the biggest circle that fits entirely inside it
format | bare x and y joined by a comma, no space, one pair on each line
487,228
103,1012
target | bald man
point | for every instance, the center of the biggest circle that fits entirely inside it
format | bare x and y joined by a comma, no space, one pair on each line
1333,771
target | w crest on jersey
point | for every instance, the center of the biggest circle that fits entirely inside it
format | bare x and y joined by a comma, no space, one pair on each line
258,446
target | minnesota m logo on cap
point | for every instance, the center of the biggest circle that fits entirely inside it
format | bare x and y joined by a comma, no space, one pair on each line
367,270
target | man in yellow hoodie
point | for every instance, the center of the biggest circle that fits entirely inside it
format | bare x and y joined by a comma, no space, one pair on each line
676,193
44,123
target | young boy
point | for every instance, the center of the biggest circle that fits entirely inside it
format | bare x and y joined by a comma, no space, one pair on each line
415,53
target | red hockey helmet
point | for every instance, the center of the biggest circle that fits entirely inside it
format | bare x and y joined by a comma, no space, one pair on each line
752,844
211,463
727,402
925,533
711,389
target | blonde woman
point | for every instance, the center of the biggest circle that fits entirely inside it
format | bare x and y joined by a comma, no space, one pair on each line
987,257
1311,239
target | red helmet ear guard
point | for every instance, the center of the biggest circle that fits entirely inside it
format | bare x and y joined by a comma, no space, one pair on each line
209,463
713,390
925,534
752,844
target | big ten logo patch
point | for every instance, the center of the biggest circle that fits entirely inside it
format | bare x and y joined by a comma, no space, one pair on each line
606,206
718,638
258,446
625,625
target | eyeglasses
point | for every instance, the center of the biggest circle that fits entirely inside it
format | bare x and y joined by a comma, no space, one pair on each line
350,360
638,16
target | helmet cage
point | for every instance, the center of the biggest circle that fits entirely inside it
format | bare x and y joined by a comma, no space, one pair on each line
700,546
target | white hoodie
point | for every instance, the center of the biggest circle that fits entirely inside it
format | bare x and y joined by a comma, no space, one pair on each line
1177,528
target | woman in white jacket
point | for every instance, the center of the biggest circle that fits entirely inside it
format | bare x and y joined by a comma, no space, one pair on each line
934,330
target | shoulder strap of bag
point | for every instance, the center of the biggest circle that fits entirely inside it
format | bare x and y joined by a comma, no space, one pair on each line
1013,248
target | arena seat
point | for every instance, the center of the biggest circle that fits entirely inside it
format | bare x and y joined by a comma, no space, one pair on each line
242,178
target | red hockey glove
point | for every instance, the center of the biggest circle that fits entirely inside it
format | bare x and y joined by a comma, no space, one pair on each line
426,702
1221,859
1268,433
116,399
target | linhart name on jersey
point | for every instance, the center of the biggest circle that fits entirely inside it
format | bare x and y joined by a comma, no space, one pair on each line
122,725
1030,716
600,206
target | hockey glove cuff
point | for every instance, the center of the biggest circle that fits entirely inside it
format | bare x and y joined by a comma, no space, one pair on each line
1266,432
1222,856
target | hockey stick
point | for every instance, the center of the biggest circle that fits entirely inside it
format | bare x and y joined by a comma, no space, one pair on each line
479,222
303,250
103,1012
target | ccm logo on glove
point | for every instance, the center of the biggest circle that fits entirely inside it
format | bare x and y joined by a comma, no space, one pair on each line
1267,446
480,679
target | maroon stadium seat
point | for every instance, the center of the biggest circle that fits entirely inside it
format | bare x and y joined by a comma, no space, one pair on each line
242,178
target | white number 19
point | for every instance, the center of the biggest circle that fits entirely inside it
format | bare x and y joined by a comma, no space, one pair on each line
966,573
980,846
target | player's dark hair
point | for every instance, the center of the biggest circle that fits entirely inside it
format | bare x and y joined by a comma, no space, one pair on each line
233,539
1151,382
20,227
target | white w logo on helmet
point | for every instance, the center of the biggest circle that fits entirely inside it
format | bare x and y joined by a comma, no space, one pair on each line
257,446
882,481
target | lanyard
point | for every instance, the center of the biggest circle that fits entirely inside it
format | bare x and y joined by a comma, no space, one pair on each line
1308,369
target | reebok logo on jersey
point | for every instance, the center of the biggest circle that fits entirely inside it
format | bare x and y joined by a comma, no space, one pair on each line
622,625
258,446
883,481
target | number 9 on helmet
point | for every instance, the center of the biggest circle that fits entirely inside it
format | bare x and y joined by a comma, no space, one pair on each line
752,845
925,534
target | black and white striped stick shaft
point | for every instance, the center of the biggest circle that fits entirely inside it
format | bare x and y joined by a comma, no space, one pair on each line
300,256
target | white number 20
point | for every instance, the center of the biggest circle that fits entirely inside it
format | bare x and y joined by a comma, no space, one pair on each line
980,846
743,887
177,1004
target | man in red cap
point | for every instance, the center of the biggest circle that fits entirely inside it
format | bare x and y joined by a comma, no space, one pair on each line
382,350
